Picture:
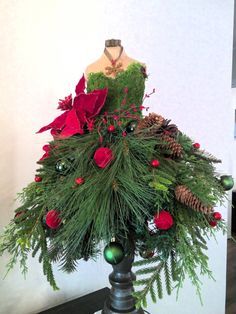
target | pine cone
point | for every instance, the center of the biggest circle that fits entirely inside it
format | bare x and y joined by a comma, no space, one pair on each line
186,197
174,147
151,120
170,129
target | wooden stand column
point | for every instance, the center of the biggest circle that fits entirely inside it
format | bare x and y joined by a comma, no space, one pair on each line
120,300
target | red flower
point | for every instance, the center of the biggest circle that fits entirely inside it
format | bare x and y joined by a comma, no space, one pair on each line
52,219
163,220
56,125
103,157
65,104
82,112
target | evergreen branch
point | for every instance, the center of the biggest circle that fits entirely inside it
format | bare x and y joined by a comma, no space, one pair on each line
147,261
11,263
173,266
159,286
206,156
148,283
36,249
145,271
167,278
153,294
47,267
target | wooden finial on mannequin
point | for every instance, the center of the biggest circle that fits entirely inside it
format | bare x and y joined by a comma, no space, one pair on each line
112,42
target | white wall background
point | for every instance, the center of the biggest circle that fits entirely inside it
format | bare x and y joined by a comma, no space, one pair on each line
45,46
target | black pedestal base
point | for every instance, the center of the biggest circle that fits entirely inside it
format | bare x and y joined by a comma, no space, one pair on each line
107,310
121,300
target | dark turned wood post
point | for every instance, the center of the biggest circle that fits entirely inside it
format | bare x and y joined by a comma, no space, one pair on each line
120,299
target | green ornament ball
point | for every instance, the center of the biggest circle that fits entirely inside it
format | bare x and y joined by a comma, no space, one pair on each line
113,253
227,182
62,166
131,126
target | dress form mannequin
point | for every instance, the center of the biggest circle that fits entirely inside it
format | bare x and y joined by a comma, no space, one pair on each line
113,61
113,49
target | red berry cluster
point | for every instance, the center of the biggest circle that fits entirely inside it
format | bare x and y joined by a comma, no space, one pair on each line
155,163
216,216
196,145
38,179
79,180
112,122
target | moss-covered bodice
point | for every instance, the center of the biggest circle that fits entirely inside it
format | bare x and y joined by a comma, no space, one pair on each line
132,79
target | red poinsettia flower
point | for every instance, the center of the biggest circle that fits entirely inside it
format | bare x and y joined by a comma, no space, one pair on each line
79,113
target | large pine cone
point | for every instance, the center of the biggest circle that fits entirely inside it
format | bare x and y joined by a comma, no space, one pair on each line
175,148
151,120
157,125
186,197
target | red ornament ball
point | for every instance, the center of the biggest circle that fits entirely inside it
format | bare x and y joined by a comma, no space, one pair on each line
52,219
212,223
111,128
103,156
217,216
38,179
79,180
155,163
163,220
196,145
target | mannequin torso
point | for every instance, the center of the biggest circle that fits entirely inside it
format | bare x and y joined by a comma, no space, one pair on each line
103,62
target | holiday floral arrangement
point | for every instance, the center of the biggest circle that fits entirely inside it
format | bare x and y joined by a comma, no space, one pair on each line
111,175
